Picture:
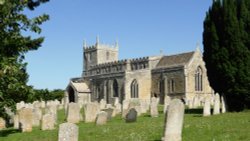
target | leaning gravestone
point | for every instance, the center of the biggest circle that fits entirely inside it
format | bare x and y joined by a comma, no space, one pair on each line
2,123
131,116
68,132
174,121
90,112
25,119
73,115
206,108
48,122
216,104
154,107
102,118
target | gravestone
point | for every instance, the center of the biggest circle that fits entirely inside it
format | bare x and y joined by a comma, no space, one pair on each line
174,121
90,112
73,115
102,118
25,119
68,132
223,104
2,123
167,101
207,108
109,112
131,116
154,107
216,104
20,105
37,116
144,105
48,122
16,121
52,109
103,104
196,102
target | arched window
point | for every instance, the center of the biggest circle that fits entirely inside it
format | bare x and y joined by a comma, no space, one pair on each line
198,79
115,88
134,89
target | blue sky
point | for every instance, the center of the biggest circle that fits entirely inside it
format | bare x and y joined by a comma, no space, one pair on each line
142,27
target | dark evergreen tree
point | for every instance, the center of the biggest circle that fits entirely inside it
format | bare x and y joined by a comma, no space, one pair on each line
13,46
226,51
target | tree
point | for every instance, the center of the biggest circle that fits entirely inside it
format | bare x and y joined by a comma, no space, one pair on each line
13,46
227,51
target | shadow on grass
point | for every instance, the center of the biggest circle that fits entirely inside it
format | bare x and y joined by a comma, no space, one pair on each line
6,132
193,111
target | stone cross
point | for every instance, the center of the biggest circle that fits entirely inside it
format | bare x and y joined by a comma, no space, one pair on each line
174,121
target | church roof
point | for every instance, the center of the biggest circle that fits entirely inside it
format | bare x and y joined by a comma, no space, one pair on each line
175,60
80,87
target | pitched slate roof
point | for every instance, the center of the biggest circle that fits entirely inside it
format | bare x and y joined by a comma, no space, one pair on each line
175,60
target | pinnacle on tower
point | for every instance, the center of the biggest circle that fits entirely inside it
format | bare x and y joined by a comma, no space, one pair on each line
84,44
116,44
97,40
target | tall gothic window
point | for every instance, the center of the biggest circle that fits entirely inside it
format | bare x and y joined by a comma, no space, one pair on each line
115,88
198,79
134,89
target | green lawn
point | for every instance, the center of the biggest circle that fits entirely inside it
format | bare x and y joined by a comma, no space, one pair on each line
224,127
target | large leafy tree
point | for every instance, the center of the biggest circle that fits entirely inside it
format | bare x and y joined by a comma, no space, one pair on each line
226,40
13,46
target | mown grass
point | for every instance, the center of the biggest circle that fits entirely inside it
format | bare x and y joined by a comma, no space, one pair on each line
224,127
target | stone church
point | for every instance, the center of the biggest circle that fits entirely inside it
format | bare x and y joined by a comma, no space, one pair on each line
105,77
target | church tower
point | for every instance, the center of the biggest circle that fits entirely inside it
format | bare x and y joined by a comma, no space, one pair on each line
99,53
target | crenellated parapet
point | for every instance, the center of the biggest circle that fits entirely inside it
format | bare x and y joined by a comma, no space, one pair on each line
139,63
109,67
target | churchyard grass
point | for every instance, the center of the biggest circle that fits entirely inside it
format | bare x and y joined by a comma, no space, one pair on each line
223,127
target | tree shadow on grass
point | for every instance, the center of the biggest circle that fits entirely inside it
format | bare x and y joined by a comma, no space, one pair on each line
6,132
193,111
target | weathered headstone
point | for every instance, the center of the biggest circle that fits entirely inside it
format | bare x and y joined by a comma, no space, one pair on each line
216,104
52,109
103,104
109,112
20,105
174,121
68,132
144,105
25,119
167,101
154,107
196,102
90,112
131,116
16,121
2,123
48,122
37,116
73,115
207,107
102,118
223,104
